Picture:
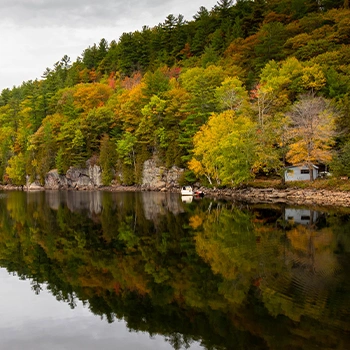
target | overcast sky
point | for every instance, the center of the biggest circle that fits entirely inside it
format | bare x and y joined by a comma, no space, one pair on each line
34,34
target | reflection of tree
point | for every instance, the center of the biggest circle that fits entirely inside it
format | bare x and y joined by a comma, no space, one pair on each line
295,277
228,244
222,276
310,280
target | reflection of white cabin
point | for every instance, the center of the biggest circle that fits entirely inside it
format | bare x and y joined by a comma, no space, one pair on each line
301,216
299,173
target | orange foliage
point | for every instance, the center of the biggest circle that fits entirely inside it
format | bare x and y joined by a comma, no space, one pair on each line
130,82
111,81
186,51
117,288
89,96
277,17
242,48
92,76
173,72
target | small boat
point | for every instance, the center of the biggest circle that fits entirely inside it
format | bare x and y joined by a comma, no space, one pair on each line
187,191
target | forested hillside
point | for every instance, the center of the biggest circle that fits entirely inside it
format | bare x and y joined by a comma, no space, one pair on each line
238,91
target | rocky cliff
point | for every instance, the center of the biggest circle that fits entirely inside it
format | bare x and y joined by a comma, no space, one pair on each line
157,177
154,178
75,178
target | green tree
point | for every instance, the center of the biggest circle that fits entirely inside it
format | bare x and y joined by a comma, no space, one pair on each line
126,149
98,122
108,159
203,25
156,83
72,146
201,85
340,164
272,37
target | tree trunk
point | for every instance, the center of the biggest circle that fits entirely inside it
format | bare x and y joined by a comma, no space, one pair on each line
311,171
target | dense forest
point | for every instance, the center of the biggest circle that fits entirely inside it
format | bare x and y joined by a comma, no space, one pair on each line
241,90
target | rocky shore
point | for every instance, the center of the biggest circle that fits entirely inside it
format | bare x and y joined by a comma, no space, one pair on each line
294,196
158,178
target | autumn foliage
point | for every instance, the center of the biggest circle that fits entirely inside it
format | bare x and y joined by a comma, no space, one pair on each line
171,88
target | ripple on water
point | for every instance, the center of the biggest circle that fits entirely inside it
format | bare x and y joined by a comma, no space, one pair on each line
309,284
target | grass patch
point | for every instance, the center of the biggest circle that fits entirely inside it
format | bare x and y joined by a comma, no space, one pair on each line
259,183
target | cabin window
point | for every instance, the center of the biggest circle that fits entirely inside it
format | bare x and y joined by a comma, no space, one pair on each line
304,171
305,217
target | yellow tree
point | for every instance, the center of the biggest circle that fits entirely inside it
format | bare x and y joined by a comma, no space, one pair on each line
312,132
232,95
224,149
16,169
313,78
127,107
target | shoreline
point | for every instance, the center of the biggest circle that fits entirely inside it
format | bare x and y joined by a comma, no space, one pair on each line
294,196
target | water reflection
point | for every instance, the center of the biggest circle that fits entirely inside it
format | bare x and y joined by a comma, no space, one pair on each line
187,199
39,322
301,216
260,277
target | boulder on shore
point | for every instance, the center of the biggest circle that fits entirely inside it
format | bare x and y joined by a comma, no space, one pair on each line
55,181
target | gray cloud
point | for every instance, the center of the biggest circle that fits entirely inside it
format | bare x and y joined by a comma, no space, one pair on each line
75,13
81,13
36,33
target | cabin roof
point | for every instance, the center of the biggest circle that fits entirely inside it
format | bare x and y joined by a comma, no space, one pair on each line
301,166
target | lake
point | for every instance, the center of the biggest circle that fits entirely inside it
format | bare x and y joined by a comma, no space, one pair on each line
105,270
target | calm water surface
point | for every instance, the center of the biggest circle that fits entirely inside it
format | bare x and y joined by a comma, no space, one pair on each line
96,270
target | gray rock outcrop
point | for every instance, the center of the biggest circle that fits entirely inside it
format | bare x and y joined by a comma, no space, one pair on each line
79,178
155,177
55,181
75,178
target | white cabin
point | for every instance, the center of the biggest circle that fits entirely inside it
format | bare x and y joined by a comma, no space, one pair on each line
299,173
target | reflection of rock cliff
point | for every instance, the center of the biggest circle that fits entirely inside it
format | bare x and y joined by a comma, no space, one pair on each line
159,203
154,203
75,201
